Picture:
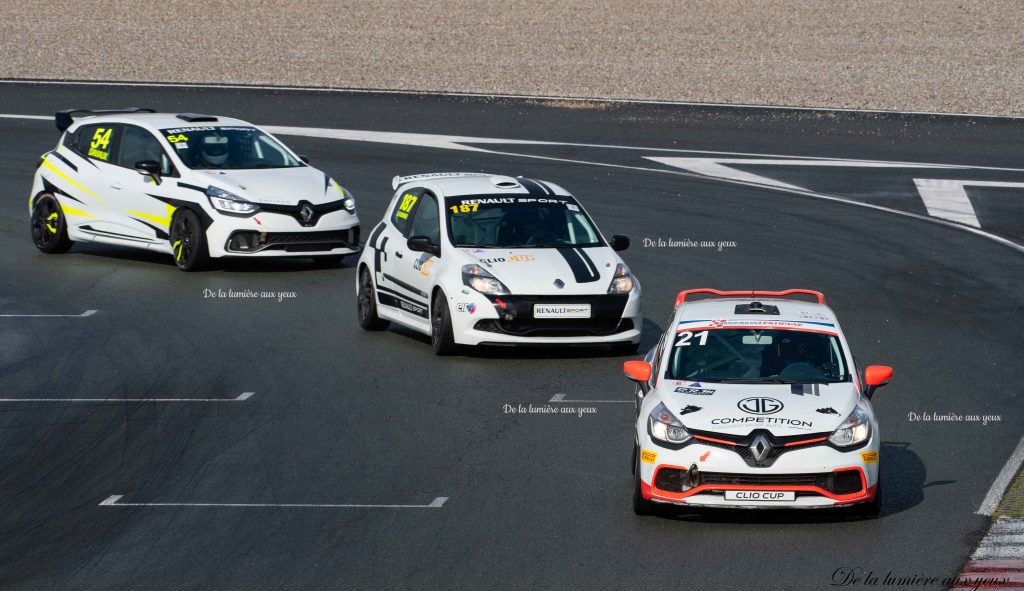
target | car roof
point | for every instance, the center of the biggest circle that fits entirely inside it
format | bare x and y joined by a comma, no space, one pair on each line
451,184
157,121
794,313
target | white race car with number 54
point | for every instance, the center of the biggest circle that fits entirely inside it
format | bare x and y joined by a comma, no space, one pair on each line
192,186
754,400
474,259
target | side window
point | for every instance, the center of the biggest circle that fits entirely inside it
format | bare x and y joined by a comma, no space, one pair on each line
403,209
426,221
100,142
137,145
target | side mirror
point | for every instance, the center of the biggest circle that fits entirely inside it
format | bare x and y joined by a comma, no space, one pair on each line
423,244
876,376
620,242
149,168
638,371
304,158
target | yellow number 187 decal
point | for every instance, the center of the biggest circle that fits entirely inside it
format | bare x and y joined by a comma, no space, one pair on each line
465,207
408,201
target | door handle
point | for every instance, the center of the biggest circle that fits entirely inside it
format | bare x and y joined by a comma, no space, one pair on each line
398,253
116,185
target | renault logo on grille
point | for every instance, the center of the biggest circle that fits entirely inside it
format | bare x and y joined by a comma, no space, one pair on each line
306,211
759,405
760,448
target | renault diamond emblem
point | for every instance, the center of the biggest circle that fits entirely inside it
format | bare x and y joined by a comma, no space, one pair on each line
559,283
760,448
306,211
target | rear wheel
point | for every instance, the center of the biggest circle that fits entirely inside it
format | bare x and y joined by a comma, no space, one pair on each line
641,506
49,226
441,336
188,240
366,305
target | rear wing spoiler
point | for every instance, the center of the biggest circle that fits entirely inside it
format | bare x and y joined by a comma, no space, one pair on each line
398,181
65,118
681,297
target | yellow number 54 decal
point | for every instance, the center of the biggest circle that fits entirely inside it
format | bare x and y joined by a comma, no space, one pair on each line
408,201
177,138
100,146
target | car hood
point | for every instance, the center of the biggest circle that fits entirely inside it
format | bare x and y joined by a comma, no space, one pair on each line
278,186
537,271
738,409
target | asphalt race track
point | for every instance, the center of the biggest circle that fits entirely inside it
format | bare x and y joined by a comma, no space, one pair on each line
340,418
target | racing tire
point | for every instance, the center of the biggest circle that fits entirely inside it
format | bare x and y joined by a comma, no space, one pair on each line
188,241
441,336
366,304
872,508
49,226
641,506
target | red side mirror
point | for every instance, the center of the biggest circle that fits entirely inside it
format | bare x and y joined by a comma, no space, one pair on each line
877,375
638,371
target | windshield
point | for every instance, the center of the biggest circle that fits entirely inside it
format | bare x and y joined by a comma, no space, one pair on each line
514,221
757,356
228,148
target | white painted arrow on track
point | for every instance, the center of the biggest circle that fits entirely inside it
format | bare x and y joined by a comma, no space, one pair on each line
947,199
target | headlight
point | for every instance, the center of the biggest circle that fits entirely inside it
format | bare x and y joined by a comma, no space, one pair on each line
622,282
855,429
346,197
664,426
478,278
228,202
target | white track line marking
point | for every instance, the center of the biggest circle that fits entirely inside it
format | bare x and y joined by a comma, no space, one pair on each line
240,398
447,142
1002,481
624,101
561,398
947,199
85,314
113,501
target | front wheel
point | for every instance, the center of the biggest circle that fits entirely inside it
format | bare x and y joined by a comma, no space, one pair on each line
441,336
188,240
49,226
641,506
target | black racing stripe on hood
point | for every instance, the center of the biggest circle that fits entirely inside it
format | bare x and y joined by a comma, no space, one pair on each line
583,269
533,187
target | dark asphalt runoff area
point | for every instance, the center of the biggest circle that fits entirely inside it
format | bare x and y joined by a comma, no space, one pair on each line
263,492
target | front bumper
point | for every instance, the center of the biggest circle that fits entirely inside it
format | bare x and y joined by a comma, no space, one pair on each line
698,474
508,320
268,234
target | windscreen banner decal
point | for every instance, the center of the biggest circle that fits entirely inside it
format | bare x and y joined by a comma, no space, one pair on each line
707,324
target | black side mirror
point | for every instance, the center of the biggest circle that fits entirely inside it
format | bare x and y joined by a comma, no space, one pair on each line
423,244
305,159
620,242
149,168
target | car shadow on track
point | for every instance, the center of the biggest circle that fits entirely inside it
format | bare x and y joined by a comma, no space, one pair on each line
903,482
648,339
266,265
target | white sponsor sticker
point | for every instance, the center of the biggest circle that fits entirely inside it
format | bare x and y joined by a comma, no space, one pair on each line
181,145
760,495
572,207
561,310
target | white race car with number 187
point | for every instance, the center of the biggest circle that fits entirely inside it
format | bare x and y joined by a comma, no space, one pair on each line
754,400
474,259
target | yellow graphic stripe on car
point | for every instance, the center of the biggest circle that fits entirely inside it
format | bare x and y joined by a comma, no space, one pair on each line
72,211
164,220
61,174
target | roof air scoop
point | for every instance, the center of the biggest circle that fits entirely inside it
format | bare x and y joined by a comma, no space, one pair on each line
504,182
757,308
